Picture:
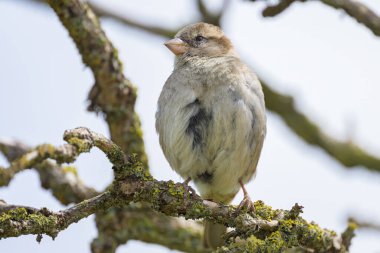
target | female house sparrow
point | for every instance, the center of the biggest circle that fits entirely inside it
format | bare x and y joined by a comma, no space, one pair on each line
211,118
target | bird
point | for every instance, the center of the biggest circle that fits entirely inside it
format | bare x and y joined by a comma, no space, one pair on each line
211,119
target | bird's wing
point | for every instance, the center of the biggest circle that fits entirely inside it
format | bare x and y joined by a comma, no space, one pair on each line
253,97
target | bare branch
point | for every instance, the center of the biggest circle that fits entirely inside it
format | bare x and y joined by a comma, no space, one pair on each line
12,149
19,220
209,17
348,234
113,94
139,222
133,184
202,8
4,207
102,12
357,10
365,224
62,154
275,9
347,153
65,187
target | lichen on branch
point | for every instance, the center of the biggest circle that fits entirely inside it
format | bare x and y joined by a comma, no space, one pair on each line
264,229
112,94
62,180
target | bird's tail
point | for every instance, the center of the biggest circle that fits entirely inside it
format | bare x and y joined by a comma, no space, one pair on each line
213,235
213,232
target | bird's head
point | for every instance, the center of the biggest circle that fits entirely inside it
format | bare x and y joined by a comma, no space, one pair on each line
200,40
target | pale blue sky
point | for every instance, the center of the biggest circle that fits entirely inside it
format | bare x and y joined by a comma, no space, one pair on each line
319,55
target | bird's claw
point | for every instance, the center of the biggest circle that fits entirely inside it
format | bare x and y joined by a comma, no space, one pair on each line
188,189
245,205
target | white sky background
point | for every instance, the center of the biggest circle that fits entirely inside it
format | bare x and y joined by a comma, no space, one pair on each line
325,59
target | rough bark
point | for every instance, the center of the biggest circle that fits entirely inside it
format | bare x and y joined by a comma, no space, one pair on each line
265,230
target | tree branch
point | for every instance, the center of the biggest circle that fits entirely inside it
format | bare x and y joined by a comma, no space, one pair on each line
62,154
20,220
272,10
209,17
347,153
59,179
348,234
133,183
102,12
125,126
96,91
364,224
80,141
140,222
275,9
357,10
113,94
360,12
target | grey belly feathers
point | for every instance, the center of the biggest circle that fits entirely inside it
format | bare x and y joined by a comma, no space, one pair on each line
211,126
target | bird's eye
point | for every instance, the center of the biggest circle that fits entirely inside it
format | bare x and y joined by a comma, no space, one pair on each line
200,38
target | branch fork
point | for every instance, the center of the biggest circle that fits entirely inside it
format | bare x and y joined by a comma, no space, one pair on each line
133,183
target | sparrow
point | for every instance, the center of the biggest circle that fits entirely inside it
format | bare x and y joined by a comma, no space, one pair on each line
211,118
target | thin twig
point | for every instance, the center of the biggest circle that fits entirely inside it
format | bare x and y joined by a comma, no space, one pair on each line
210,17
63,181
365,224
357,10
102,12
347,153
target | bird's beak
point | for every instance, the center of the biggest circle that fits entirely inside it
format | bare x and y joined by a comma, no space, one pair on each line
177,46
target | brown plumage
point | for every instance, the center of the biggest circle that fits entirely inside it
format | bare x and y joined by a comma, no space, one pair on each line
211,118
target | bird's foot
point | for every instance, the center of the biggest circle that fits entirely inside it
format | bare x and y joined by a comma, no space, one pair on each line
188,189
246,204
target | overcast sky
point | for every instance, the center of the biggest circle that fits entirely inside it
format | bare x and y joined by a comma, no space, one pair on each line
325,59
